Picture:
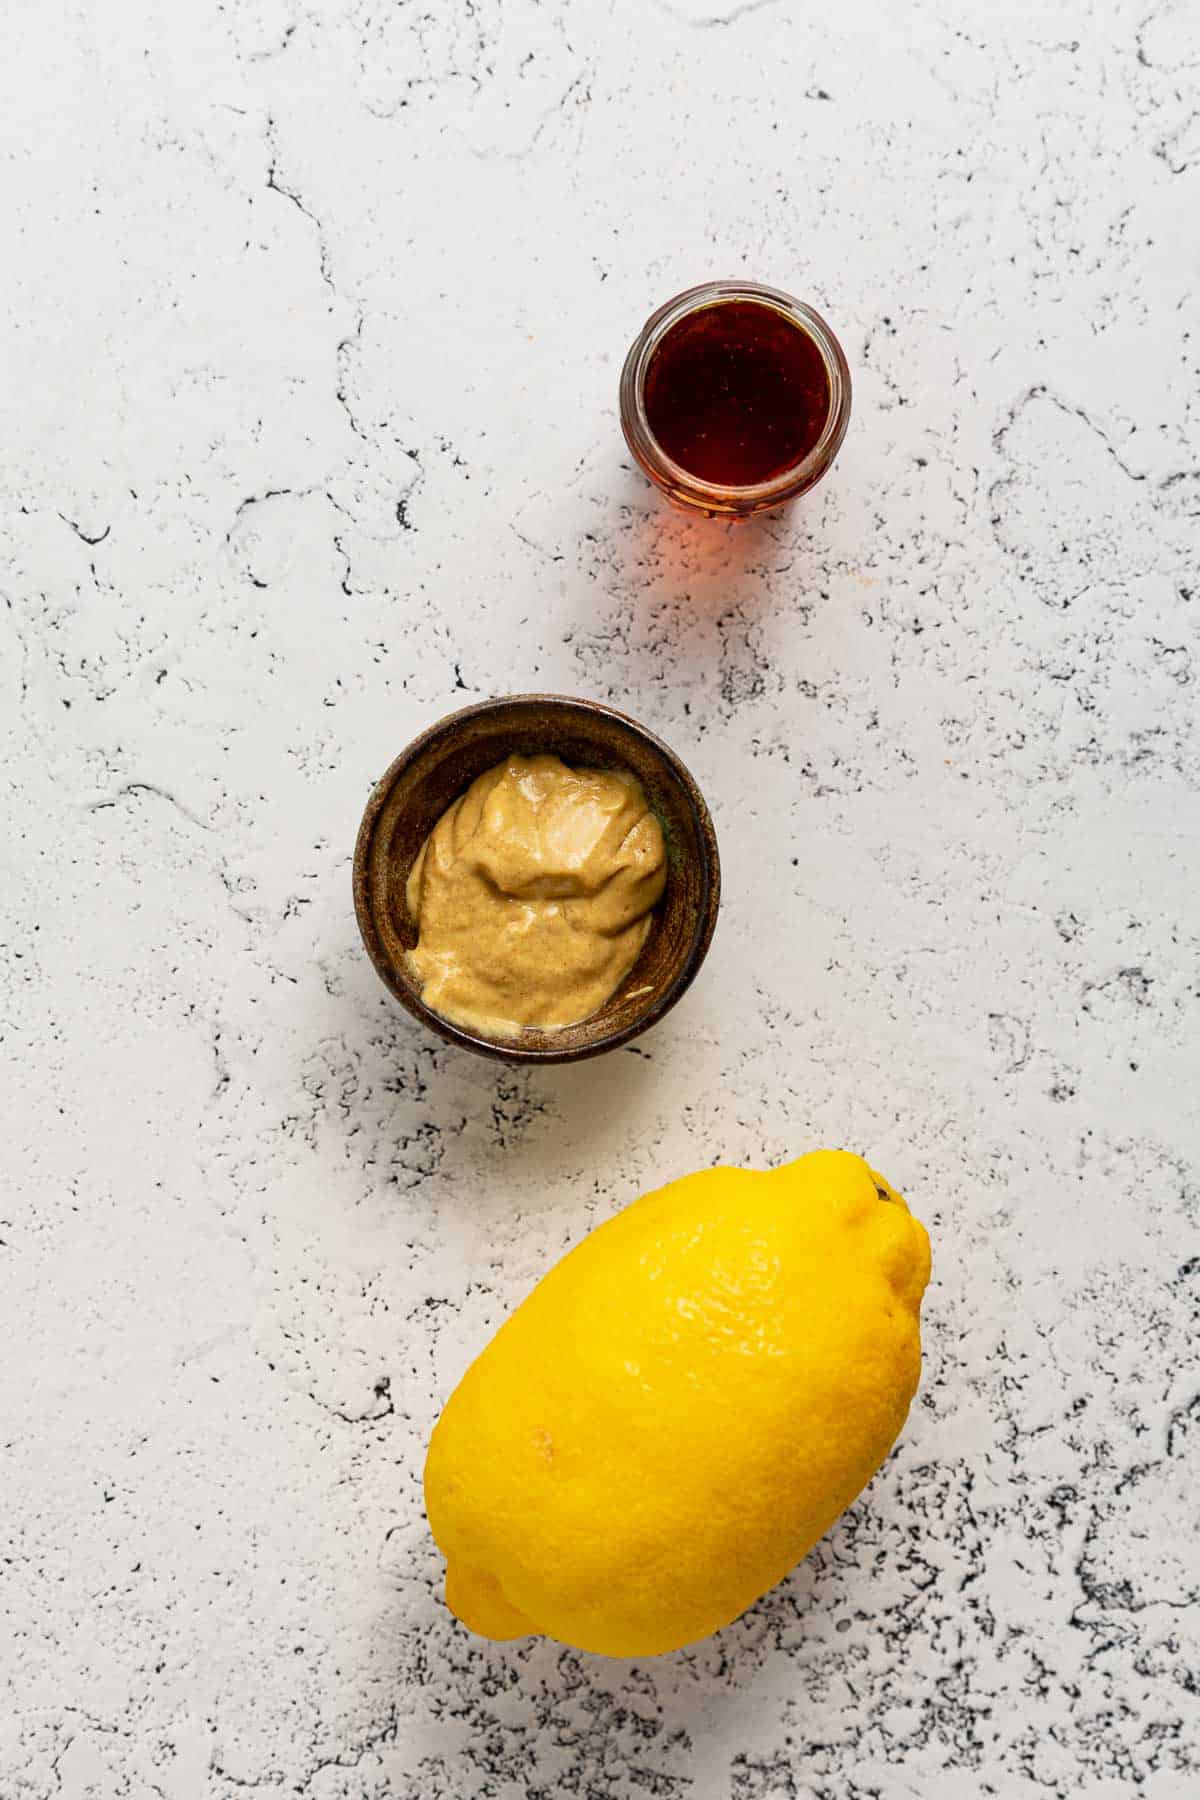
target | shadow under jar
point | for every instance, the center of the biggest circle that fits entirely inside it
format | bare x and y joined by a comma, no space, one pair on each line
735,397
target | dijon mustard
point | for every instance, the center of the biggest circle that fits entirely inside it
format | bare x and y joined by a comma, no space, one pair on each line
532,895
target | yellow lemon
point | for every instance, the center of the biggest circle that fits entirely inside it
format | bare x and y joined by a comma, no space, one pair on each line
681,1407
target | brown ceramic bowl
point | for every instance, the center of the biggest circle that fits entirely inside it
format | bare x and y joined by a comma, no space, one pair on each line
439,765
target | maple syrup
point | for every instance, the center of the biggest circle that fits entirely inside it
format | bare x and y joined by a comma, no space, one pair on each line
735,397
736,394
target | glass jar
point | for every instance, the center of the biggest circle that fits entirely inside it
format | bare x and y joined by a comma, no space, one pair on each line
721,499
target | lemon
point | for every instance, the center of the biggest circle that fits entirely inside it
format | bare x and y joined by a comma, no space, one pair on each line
681,1407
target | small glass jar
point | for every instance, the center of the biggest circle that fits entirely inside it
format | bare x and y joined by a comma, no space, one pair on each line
679,484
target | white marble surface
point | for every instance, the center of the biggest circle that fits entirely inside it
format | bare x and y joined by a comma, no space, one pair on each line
313,317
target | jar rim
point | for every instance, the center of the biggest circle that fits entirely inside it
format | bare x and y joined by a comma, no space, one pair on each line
729,496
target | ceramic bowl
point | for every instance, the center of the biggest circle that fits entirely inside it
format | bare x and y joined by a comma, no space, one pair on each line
439,765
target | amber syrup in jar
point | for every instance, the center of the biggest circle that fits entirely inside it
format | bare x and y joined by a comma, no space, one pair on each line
735,397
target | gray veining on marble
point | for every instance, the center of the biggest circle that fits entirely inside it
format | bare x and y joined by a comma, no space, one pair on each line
313,317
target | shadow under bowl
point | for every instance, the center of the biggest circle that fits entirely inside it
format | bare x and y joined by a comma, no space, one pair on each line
442,763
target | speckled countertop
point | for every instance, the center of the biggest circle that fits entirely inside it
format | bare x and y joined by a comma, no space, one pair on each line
313,316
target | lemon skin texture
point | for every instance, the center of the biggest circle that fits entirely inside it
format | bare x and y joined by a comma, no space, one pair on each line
681,1407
